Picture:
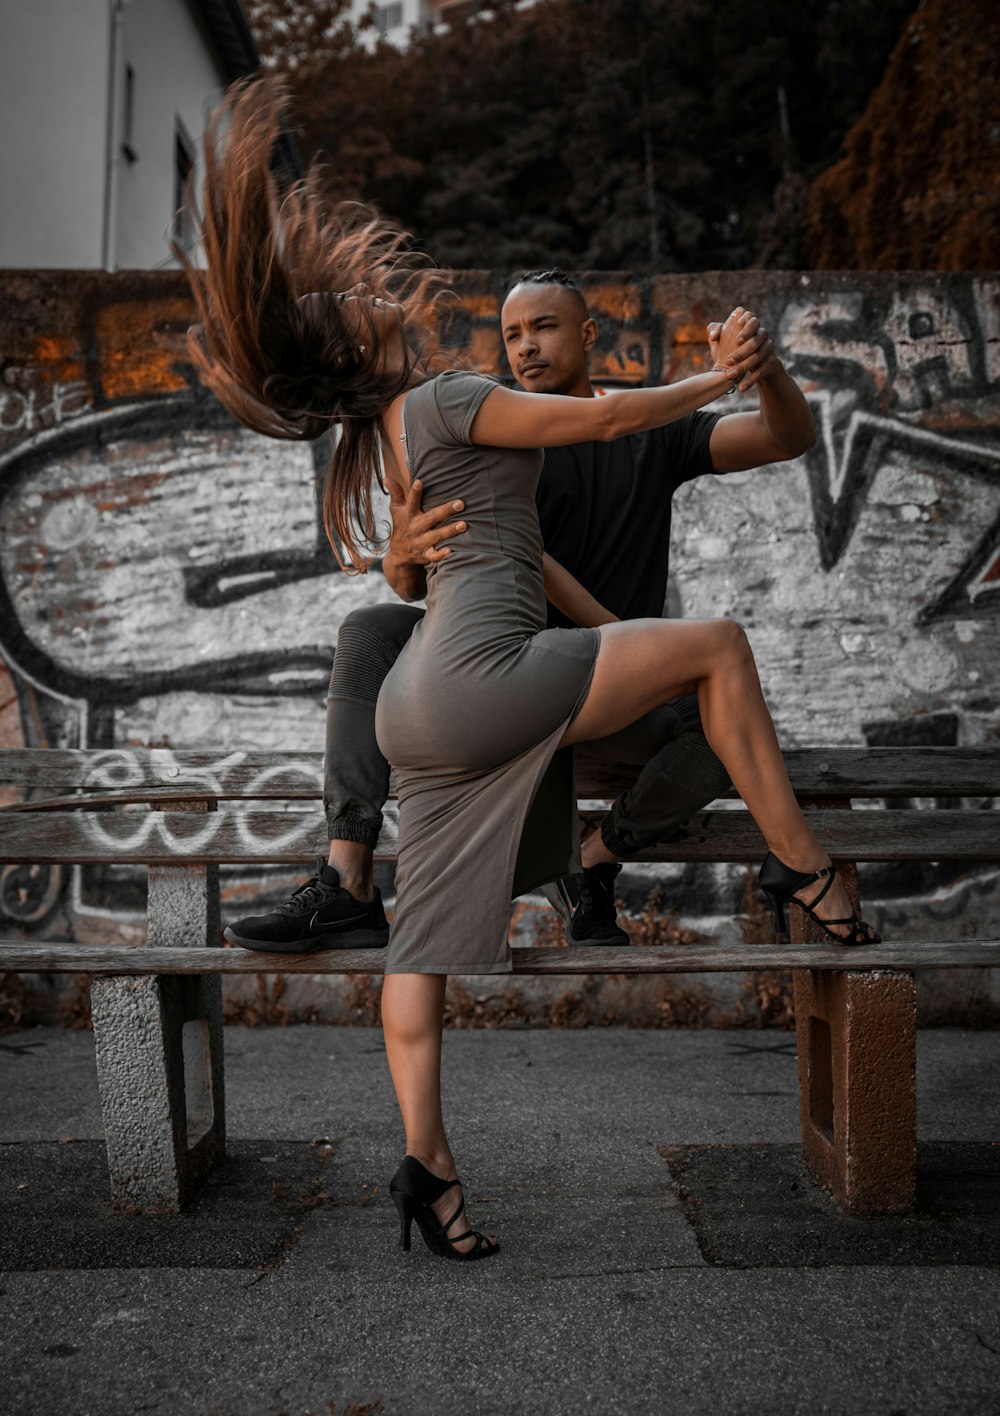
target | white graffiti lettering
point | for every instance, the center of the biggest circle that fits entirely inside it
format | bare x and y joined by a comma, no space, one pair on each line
27,413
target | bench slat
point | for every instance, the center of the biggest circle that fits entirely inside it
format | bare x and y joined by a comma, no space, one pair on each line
674,958
234,836
237,774
252,775
863,772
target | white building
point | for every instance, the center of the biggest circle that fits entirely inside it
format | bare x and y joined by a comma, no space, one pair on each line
396,20
103,103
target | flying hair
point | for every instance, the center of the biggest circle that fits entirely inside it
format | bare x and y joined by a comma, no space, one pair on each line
275,340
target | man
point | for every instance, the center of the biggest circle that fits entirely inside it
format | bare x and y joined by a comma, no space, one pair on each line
604,510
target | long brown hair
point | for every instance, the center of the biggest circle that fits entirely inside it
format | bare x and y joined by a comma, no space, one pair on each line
275,343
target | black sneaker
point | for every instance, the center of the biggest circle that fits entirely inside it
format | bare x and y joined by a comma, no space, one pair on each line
593,919
320,914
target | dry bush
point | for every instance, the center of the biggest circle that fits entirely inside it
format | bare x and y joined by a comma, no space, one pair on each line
549,930
767,999
266,1011
74,1011
11,1002
571,1009
656,926
683,1006
464,1010
364,1001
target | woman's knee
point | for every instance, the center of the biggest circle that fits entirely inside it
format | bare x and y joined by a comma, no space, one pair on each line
732,643
730,649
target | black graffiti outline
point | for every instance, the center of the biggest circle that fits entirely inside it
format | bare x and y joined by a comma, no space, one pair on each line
840,486
175,412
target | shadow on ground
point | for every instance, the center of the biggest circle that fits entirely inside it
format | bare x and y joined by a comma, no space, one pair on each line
754,1206
250,1215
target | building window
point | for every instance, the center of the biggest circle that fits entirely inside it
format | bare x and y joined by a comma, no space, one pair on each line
452,11
388,17
128,117
184,233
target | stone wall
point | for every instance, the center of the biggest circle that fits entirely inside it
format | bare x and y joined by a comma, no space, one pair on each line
164,578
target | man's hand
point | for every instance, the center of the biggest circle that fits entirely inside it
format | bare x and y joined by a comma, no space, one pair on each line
741,341
418,536
417,539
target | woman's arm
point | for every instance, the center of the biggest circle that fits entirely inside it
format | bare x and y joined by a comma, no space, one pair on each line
568,595
512,419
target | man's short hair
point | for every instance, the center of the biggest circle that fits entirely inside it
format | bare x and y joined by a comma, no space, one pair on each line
555,275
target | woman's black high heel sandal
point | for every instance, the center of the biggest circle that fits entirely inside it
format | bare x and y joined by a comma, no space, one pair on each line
780,884
414,1189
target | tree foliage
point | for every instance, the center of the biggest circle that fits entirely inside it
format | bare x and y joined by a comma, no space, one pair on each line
919,186
291,34
603,134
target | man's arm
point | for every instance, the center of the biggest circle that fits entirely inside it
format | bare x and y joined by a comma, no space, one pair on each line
782,427
569,596
417,539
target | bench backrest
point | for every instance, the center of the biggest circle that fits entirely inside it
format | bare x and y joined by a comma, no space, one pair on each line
161,806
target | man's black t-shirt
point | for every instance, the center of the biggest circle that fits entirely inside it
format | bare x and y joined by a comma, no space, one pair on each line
604,510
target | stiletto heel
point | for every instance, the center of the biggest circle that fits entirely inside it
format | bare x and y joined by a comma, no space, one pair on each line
414,1190
779,884
778,906
405,1209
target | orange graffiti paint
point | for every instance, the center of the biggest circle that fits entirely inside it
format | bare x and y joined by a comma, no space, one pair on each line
58,358
141,343
618,301
481,307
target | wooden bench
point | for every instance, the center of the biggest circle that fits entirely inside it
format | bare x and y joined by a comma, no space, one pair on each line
157,1010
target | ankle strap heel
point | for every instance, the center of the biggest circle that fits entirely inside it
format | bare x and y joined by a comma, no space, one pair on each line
414,1190
780,886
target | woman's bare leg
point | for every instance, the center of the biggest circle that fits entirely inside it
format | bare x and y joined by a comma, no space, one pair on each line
643,663
412,1013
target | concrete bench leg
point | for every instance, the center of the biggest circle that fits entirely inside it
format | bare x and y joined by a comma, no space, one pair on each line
856,1037
159,1056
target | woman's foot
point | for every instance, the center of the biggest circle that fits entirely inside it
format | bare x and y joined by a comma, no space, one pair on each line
821,893
451,1215
437,1203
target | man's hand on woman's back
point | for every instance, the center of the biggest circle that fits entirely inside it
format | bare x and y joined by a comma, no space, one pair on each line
418,538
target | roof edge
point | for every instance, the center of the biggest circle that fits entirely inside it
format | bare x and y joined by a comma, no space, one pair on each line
231,33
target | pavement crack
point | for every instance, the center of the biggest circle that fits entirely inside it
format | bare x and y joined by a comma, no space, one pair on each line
300,1202
983,1343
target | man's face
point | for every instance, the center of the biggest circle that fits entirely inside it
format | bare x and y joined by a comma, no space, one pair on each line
547,336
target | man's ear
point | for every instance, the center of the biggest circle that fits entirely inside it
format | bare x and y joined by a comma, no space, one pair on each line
589,334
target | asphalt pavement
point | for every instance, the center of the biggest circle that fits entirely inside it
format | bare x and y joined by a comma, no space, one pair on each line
662,1249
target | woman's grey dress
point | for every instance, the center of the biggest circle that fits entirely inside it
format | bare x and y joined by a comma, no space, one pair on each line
473,709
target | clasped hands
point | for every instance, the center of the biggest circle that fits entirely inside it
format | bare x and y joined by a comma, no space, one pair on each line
741,343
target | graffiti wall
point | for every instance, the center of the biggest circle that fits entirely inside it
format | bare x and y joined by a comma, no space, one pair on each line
165,580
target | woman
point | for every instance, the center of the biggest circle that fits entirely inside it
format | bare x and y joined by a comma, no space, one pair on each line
311,313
